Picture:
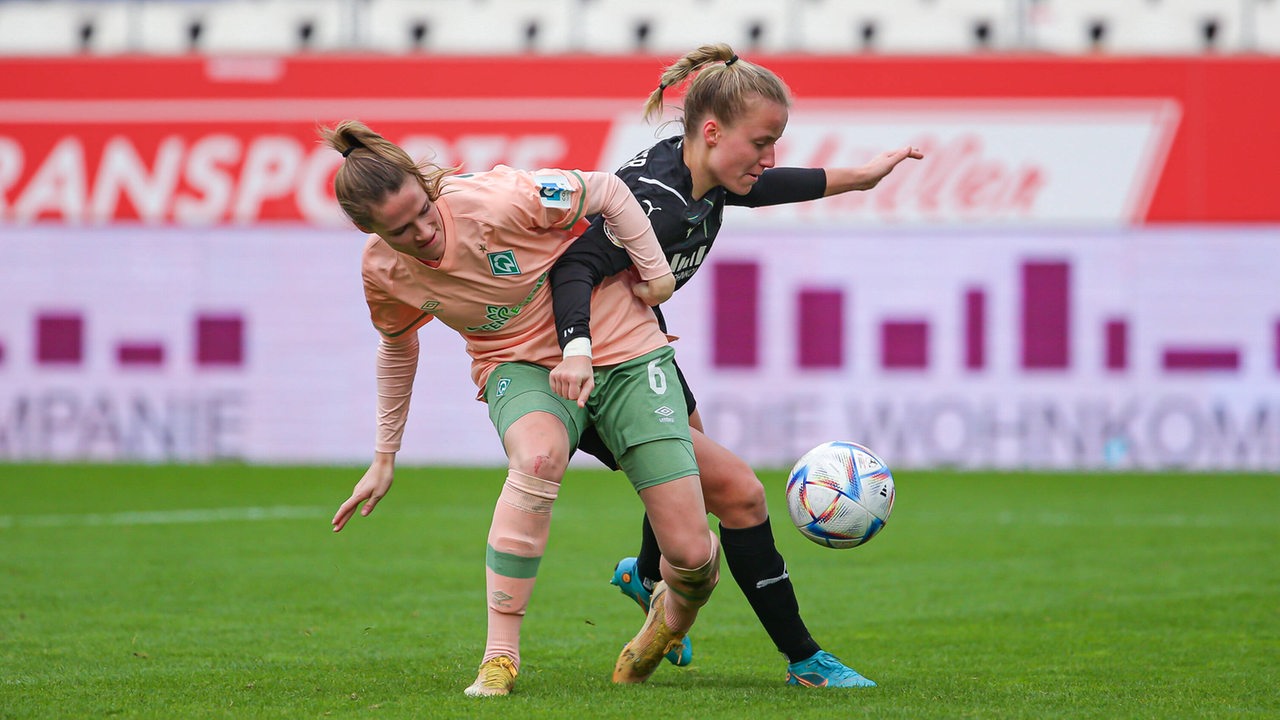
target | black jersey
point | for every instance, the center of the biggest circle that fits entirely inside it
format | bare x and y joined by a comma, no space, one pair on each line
686,227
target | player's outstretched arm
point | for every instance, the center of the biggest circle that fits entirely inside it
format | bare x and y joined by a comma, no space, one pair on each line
372,487
842,180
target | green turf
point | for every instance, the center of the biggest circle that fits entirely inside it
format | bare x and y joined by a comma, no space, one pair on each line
987,596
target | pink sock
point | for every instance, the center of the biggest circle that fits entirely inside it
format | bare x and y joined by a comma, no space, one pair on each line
517,540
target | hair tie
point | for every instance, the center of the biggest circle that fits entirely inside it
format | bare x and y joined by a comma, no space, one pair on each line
731,61
348,151
662,86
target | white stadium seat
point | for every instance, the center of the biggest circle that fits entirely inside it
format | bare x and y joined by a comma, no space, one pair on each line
470,26
906,26
61,27
1136,26
612,27
1263,27
171,27
275,26
750,26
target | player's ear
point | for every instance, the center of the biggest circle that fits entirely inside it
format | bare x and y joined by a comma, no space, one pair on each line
711,131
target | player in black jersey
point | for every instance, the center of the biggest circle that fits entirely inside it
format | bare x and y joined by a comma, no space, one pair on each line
734,113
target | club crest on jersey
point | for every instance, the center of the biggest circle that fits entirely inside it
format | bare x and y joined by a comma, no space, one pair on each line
612,238
553,191
503,384
503,263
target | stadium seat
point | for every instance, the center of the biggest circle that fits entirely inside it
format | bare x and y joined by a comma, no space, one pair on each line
839,26
1136,26
1263,27
612,27
276,26
168,28
906,26
63,27
947,26
470,26
750,26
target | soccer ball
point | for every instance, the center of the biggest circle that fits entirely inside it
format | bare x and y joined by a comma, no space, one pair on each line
840,494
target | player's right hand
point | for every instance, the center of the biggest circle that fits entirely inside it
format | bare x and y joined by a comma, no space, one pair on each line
371,488
657,290
574,379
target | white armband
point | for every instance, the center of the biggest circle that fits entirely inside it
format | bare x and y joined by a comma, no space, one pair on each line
578,346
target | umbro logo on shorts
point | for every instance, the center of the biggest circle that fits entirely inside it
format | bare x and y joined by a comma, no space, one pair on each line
664,414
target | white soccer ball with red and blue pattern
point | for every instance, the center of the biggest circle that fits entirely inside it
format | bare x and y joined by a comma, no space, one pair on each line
840,494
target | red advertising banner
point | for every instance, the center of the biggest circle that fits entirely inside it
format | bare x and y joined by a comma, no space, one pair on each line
1011,141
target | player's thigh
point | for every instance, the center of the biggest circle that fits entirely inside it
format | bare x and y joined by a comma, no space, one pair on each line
679,522
539,429
730,487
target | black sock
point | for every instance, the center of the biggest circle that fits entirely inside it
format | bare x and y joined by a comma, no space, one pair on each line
647,562
760,571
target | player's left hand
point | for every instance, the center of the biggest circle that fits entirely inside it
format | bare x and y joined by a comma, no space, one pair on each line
883,164
574,379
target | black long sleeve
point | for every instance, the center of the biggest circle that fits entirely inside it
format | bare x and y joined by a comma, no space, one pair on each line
586,263
779,186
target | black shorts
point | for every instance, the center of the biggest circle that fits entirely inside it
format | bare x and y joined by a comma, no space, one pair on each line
591,443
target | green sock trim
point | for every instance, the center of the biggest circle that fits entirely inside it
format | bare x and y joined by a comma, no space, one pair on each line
512,566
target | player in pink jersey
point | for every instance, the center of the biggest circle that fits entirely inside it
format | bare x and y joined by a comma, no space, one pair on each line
475,251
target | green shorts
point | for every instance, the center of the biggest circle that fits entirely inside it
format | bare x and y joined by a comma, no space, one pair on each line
637,408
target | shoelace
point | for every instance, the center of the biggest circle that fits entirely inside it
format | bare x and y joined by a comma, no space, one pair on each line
497,672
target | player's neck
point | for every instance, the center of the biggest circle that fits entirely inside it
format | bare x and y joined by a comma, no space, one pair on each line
695,160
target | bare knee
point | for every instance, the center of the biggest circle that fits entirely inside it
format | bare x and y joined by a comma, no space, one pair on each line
739,502
696,552
546,463
695,582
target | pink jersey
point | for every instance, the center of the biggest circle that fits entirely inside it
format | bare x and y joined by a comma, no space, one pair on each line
503,231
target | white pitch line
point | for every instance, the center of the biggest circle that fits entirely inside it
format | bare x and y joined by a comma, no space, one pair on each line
1067,519
167,517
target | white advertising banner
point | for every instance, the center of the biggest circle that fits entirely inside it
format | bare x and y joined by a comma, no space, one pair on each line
1041,162
1148,348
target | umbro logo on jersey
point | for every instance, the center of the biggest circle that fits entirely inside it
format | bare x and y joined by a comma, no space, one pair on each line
503,263
430,306
664,414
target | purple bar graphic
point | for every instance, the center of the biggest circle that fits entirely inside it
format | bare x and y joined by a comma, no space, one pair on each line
1201,359
1,353
975,329
132,354
904,344
735,290
220,340
1045,315
1277,344
59,339
821,323
1117,344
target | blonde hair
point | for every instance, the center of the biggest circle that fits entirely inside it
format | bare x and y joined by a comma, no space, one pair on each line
373,167
724,90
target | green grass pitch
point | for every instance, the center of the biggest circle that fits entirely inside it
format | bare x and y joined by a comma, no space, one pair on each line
220,592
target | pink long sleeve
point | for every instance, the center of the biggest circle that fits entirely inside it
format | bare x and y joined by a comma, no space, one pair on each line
397,365
626,223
